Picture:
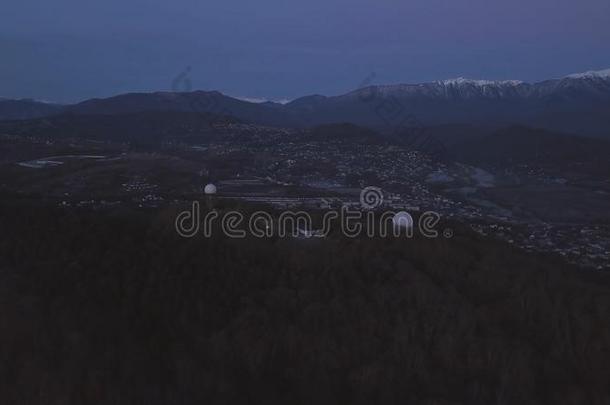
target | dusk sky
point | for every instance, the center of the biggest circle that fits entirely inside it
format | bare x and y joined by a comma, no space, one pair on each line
69,50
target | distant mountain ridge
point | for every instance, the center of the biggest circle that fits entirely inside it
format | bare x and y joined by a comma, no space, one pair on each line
212,102
26,109
577,103
593,82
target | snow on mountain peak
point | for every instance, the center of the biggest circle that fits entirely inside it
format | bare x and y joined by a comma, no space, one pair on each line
603,74
479,83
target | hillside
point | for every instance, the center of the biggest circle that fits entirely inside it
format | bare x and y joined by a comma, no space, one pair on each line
522,147
26,109
101,306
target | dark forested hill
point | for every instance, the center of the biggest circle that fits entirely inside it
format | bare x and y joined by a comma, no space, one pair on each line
146,126
522,146
115,308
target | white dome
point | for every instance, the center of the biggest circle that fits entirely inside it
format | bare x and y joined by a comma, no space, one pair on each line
210,189
403,219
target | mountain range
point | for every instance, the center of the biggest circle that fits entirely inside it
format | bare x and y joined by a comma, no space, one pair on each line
578,103
26,109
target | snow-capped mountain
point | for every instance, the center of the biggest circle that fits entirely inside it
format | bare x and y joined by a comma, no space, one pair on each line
578,103
600,74
471,88
479,83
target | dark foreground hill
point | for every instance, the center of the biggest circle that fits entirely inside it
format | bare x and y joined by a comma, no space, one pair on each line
151,127
525,147
114,308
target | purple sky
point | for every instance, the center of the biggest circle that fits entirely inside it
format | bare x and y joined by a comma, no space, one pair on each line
68,50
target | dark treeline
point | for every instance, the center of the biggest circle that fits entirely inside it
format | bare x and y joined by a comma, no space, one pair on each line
115,308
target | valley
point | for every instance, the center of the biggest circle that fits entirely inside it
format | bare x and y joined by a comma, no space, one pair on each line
558,204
